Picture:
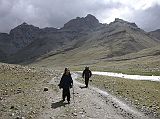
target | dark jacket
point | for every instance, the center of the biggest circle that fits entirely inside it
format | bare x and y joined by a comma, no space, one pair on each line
87,73
66,82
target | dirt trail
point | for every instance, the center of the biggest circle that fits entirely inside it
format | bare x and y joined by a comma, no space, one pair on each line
87,103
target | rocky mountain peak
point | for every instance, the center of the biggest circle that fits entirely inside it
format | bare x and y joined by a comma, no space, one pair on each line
24,24
121,22
91,18
23,34
82,23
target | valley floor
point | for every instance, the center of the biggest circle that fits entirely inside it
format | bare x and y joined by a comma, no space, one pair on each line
22,96
88,103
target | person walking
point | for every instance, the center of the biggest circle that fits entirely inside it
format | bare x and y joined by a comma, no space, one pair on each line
86,74
66,83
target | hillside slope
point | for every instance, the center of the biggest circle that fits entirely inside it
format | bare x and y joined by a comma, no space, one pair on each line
156,33
113,42
81,39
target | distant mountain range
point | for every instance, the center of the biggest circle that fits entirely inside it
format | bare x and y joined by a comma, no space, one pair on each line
85,36
156,33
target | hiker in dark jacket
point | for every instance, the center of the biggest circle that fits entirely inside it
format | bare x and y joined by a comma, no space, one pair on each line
66,83
86,74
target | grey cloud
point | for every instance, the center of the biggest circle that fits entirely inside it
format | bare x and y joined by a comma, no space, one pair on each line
55,13
45,13
68,9
149,18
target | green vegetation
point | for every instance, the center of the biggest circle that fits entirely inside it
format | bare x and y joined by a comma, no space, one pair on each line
145,95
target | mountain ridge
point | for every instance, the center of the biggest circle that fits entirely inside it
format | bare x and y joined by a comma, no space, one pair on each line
117,38
155,33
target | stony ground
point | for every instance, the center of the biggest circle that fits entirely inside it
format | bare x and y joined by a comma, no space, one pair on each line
31,93
144,95
22,94
88,103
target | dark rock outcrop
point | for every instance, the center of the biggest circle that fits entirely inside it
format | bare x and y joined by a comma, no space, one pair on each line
6,45
23,35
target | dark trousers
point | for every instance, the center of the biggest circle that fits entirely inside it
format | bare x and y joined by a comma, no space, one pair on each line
86,81
66,93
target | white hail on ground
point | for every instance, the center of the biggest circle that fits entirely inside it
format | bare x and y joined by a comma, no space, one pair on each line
126,76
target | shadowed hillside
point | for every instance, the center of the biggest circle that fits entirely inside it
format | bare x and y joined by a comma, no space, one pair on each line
82,41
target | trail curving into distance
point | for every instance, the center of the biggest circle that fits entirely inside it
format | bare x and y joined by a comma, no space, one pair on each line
126,76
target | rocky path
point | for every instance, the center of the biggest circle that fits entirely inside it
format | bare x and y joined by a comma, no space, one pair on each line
87,103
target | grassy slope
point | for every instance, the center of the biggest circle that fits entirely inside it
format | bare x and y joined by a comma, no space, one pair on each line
90,49
145,62
145,95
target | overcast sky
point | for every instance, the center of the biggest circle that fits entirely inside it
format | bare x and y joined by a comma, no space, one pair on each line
55,13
